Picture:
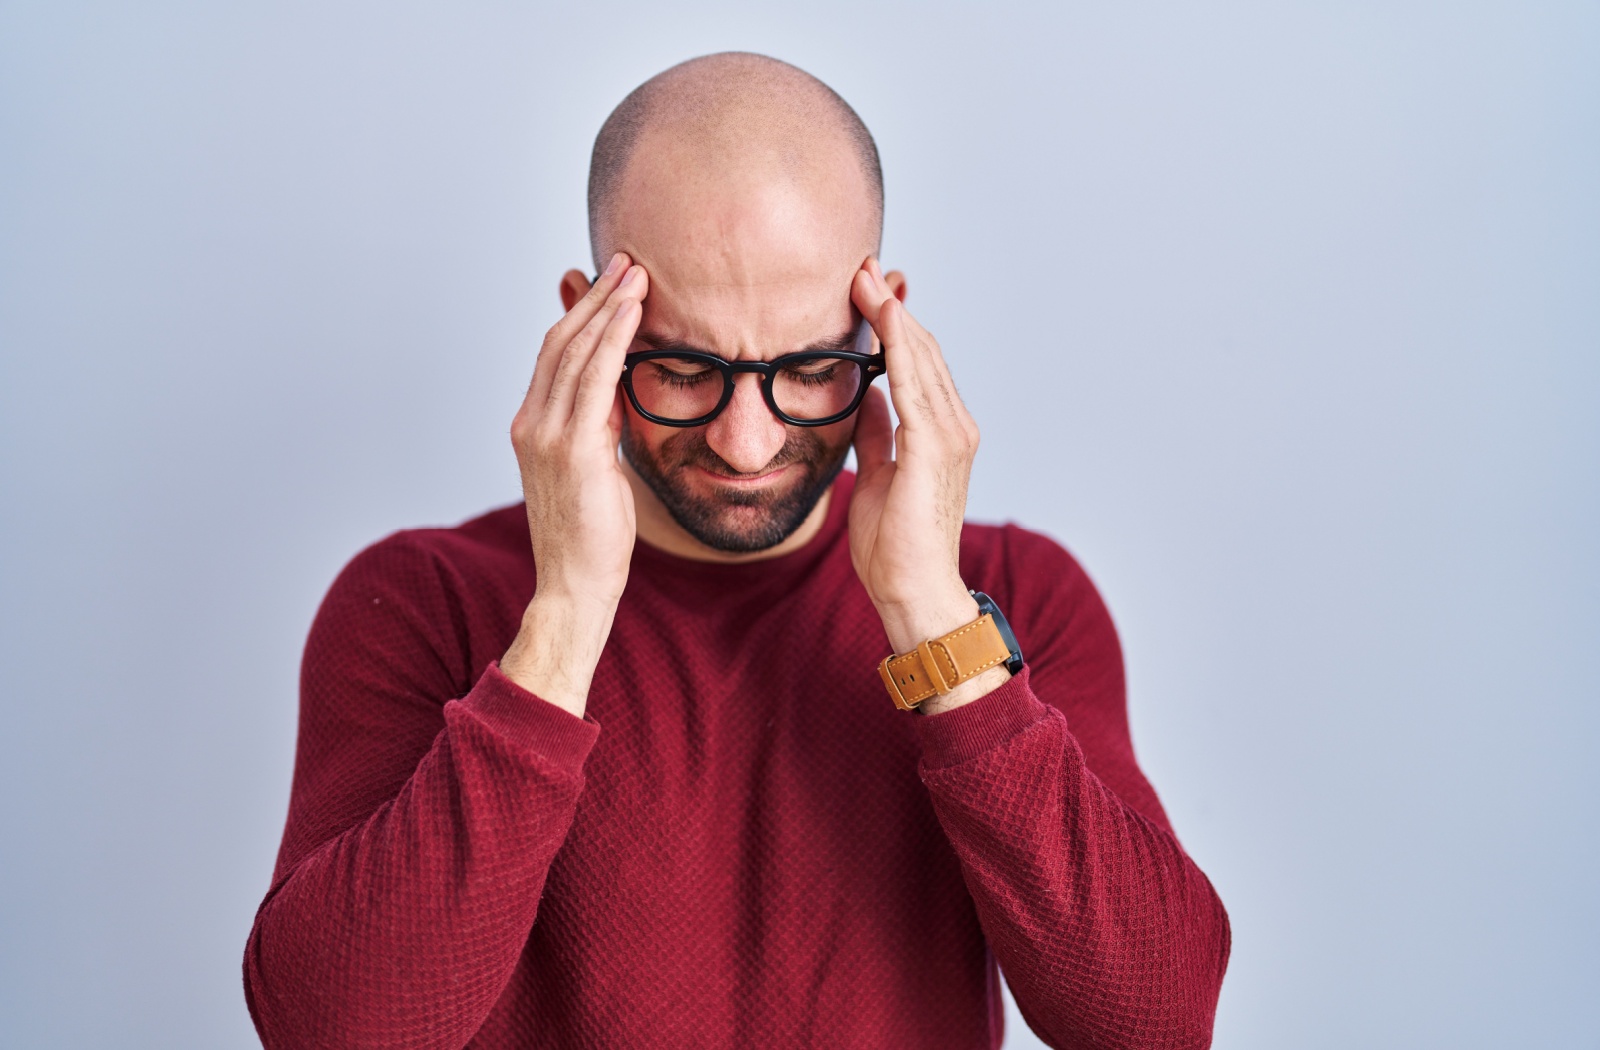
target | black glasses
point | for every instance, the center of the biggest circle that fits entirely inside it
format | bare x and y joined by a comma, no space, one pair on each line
689,388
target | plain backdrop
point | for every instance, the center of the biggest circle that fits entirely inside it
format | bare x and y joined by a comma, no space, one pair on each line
1285,318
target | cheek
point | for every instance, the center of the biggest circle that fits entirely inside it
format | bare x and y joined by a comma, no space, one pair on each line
643,435
834,439
840,434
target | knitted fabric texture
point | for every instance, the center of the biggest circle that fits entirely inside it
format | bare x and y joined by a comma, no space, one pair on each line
742,843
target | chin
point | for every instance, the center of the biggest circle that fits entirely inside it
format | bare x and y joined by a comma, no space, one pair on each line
738,529
744,522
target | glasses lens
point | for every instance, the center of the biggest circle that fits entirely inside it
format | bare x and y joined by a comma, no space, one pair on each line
677,387
817,387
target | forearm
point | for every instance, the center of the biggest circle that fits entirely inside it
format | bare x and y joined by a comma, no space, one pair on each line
403,929
1108,933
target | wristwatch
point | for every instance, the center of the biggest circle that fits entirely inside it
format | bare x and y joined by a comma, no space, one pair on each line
935,667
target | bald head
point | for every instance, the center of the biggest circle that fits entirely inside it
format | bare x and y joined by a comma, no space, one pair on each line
731,123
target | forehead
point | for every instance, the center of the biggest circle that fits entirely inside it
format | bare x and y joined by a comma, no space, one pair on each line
746,261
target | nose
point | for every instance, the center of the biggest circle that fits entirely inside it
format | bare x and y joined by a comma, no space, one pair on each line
746,435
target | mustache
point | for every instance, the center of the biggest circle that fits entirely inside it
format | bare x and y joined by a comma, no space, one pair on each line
690,449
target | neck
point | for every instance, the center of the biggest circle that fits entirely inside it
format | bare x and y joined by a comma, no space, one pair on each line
656,527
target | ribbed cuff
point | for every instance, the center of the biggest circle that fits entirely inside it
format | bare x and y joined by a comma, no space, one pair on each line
528,721
953,737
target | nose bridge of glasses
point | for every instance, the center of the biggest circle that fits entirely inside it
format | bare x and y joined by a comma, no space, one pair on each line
747,403
751,380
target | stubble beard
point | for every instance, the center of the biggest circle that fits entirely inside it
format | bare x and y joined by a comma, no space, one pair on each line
718,523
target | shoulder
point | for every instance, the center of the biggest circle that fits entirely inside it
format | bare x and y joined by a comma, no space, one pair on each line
427,592
422,560
987,545
1028,571
1060,620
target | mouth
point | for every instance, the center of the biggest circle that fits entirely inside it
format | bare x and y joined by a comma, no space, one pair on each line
745,480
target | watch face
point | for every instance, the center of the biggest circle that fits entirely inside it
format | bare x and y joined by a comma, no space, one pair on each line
986,605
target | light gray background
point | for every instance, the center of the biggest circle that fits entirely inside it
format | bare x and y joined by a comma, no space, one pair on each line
1283,317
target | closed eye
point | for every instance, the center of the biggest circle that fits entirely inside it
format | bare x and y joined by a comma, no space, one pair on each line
680,373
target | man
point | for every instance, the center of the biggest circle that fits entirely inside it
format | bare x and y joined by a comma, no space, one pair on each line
613,767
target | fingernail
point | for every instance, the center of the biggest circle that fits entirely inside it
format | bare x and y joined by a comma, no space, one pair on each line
611,267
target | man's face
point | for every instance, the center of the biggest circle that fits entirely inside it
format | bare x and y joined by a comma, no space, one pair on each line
749,270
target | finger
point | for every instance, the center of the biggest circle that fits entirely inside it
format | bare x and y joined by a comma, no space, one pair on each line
932,371
916,335
874,437
615,419
597,388
575,359
937,378
883,293
575,319
894,325
913,326
907,382
920,383
873,298
869,292
584,309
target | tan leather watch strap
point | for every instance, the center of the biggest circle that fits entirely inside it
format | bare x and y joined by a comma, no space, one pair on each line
938,666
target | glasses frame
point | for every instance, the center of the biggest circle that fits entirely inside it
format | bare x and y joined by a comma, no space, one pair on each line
872,366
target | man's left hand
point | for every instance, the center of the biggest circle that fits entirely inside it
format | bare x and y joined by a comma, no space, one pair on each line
911,488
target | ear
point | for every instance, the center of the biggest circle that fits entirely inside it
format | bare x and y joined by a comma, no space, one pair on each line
574,286
897,284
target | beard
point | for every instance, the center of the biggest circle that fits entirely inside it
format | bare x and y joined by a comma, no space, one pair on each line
736,522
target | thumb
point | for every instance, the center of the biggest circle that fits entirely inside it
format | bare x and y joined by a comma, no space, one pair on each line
615,421
874,439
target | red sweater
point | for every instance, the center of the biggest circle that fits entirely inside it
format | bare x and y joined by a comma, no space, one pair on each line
743,843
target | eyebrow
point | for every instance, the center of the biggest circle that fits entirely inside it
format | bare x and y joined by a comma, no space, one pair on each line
832,345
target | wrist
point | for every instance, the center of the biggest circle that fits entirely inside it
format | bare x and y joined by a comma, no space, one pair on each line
585,611
910,624
558,647
965,693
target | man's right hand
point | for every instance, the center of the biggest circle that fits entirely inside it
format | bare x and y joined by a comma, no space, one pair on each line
580,508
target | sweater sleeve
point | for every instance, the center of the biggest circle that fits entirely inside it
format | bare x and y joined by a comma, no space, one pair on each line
422,822
1108,933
